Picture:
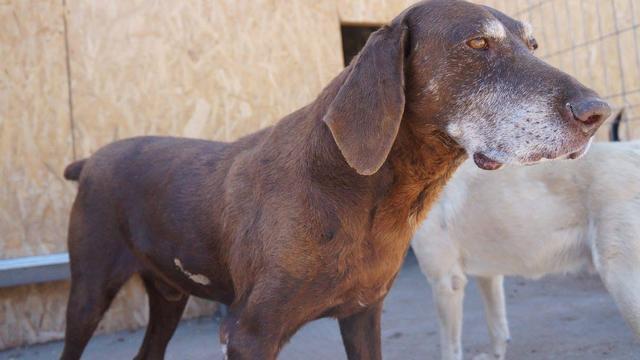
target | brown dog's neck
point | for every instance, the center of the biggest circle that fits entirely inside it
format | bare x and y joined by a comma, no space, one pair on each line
421,160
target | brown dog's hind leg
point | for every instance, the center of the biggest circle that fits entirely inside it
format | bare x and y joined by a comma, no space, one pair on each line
361,334
100,264
90,296
164,316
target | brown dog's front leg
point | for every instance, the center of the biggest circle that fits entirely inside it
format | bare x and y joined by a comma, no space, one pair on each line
249,335
361,334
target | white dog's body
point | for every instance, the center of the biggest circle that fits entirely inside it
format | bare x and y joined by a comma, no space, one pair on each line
556,217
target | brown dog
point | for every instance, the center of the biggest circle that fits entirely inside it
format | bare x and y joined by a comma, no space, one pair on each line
312,217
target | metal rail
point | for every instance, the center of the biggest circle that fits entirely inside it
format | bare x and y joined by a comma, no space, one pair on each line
34,269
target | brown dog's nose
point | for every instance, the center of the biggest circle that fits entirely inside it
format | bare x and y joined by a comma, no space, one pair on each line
589,112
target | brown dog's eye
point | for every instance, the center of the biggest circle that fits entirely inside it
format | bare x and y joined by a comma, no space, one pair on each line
478,43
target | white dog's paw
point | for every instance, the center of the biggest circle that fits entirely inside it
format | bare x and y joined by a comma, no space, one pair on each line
484,356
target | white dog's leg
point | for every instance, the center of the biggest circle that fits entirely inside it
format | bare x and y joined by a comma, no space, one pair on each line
624,286
492,290
448,293
620,272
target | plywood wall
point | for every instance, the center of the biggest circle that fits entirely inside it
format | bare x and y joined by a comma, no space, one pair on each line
211,69
214,69
371,11
35,136
35,143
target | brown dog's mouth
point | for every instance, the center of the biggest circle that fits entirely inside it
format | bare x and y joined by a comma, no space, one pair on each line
583,150
575,155
486,163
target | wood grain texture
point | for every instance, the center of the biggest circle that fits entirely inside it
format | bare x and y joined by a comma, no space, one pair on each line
375,12
35,137
215,70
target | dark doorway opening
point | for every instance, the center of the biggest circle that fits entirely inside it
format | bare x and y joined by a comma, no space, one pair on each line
353,39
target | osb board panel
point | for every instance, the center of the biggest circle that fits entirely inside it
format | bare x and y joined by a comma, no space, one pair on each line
371,11
208,69
35,137
382,11
36,313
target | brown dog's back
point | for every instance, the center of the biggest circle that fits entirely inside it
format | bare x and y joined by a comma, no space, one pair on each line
148,192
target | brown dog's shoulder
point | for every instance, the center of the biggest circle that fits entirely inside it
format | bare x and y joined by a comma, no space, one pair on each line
73,170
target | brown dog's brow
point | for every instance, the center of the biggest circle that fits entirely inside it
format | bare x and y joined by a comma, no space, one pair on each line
497,29
521,29
493,28
526,31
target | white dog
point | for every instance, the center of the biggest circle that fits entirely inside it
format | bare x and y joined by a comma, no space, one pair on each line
556,217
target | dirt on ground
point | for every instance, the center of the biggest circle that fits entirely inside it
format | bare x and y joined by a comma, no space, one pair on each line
564,318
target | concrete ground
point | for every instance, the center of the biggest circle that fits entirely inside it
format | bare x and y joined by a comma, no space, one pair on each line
554,318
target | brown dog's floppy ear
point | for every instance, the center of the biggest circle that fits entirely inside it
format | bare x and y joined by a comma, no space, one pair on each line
364,117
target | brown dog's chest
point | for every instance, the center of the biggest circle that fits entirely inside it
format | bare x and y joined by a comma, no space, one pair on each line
371,264
375,259
370,283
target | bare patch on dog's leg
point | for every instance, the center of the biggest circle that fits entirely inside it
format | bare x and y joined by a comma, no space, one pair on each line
197,278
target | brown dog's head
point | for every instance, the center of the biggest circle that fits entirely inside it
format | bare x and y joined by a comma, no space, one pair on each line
470,71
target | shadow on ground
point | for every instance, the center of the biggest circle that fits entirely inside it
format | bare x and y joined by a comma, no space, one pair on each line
555,318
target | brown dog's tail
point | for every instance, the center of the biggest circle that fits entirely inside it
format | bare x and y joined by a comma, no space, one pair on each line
73,170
